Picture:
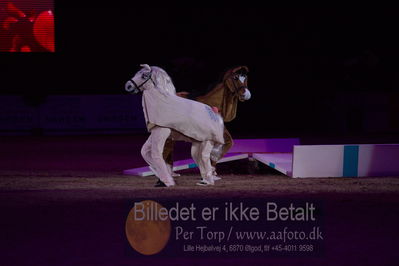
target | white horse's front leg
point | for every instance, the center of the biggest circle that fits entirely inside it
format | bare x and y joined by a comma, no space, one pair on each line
146,154
157,141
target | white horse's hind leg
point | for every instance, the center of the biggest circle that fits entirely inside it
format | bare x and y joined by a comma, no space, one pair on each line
216,155
196,155
206,148
152,153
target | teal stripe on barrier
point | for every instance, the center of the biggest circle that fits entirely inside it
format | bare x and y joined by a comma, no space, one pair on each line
272,165
192,165
351,160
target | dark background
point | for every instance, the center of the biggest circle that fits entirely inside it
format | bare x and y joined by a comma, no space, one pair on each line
329,72
325,75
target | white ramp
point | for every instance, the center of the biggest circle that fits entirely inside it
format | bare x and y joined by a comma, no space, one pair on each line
282,162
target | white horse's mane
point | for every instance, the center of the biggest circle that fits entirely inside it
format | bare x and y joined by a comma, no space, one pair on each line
163,80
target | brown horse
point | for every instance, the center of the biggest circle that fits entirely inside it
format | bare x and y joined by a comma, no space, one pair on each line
224,96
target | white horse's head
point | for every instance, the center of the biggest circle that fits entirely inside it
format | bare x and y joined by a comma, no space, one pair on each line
150,77
140,81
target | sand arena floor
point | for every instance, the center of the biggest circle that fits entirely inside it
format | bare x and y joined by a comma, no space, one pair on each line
64,201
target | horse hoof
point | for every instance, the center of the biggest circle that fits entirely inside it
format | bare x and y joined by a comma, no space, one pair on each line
170,182
160,184
205,182
216,178
175,174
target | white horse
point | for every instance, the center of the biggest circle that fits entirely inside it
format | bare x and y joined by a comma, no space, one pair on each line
170,116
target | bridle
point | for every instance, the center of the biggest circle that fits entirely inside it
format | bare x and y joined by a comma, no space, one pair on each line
237,88
144,82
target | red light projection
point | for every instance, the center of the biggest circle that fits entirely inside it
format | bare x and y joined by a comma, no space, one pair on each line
27,26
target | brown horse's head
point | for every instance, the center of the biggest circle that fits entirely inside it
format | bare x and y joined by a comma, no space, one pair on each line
236,80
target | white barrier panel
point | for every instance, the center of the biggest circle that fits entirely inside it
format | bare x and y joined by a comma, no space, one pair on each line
345,160
317,161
